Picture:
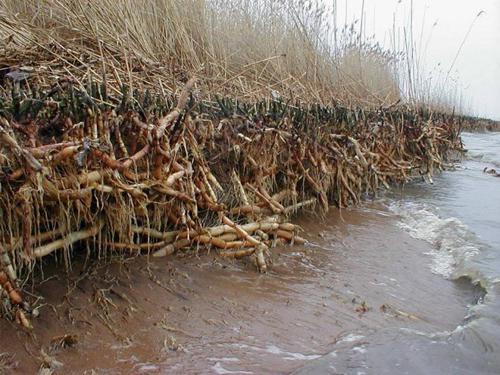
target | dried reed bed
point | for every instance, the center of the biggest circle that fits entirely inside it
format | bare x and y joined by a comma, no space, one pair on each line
242,48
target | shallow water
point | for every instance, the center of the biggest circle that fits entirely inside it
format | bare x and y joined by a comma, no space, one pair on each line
387,287
439,324
423,314
459,216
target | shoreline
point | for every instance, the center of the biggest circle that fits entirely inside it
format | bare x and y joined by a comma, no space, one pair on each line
199,130
190,175
360,275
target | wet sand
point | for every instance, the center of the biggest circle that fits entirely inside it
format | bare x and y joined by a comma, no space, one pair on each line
359,275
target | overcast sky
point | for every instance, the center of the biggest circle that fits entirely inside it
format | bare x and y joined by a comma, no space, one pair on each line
478,65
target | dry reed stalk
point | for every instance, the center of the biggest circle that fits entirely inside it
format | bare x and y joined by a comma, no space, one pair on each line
287,48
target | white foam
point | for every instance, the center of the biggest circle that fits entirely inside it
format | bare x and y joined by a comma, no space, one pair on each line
351,338
219,369
484,157
452,241
224,359
359,349
483,147
273,349
378,284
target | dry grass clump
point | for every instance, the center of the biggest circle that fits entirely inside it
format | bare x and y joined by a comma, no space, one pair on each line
244,48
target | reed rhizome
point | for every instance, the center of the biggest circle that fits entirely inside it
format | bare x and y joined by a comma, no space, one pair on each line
140,173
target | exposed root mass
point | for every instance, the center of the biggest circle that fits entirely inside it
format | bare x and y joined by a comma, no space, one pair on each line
140,173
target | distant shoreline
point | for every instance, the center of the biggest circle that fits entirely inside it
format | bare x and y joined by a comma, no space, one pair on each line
481,125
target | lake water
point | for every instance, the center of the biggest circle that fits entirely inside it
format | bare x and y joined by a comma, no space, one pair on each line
459,216
424,260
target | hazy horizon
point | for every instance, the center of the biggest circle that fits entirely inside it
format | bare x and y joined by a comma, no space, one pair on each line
440,27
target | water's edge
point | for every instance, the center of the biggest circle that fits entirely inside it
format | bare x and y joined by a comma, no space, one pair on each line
396,285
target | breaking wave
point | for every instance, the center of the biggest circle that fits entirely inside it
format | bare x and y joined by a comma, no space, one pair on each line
453,243
484,148
486,158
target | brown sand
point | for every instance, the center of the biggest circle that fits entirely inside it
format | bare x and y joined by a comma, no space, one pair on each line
206,315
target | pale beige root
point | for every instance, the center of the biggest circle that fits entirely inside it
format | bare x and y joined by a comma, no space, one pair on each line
296,207
241,253
290,237
289,227
222,237
68,240
7,139
260,259
205,240
174,177
239,244
8,280
23,320
172,248
228,237
6,264
15,243
166,121
359,153
42,151
268,226
6,285
239,188
260,247
85,178
249,210
347,187
220,230
211,192
208,240
65,154
214,181
284,194
275,208
265,195
239,230
174,193
262,235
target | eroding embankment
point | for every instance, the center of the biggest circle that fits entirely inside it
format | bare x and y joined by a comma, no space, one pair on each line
138,173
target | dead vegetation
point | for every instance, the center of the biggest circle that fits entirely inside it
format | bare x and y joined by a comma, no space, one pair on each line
144,175
107,147
239,48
